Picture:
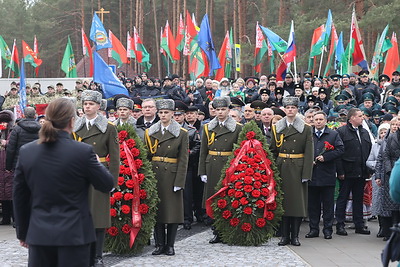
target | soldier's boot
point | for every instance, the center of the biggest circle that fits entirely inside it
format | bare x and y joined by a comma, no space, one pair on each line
172,229
159,234
285,230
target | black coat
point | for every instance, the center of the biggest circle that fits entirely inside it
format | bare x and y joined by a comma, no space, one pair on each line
353,161
324,173
24,132
50,192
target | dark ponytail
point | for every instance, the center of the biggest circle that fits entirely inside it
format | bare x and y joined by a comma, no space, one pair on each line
58,115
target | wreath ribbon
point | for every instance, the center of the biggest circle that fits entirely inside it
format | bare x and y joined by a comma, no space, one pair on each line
257,145
136,216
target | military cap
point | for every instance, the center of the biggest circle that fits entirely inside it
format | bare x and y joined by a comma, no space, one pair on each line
236,102
79,89
311,98
14,88
192,109
335,77
180,107
363,73
167,78
339,107
353,75
386,106
344,92
265,91
221,102
396,91
278,111
137,103
50,86
366,111
288,75
368,91
383,77
68,92
298,86
28,85
322,91
125,102
290,101
279,90
167,104
59,84
258,105
397,73
307,75
273,103
343,112
174,76
79,81
346,76
202,110
367,97
341,98
392,100
272,76
377,114
392,110
116,97
128,80
90,95
387,117
317,105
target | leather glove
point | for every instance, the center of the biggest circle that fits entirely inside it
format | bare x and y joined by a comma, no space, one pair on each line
203,178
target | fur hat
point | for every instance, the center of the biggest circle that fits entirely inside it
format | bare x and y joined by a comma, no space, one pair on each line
125,103
221,102
168,104
90,95
6,116
290,101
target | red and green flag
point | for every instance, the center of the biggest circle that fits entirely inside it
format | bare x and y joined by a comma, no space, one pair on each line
168,43
5,51
180,36
332,49
224,54
382,45
271,57
141,54
87,51
14,62
316,38
356,48
117,51
392,61
68,62
36,51
260,50
29,55
198,65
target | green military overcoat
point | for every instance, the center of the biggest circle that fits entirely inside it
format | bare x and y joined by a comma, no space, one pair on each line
173,144
216,138
103,136
297,139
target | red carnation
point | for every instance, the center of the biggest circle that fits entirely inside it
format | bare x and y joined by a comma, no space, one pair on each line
226,214
270,215
129,183
256,193
231,192
236,152
221,203
112,231
121,180
117,196
122,169
126,229
272,206
248,210
125,209
250,135
135,152
122,154
239,185
112,201
234,178
130,143
244,201
122,135
248,188
239,194
260,204
257,184
257,158
128,196
265,192
242,143
113,213
235,204
251,162
141,178
125,162
257,176
234,222
138,163
248,180
264,178
143,208
249,171
241,167
244,158
222,194
246,227
260,222
251,150
142,194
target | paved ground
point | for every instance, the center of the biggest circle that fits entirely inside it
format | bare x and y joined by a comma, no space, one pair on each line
192,249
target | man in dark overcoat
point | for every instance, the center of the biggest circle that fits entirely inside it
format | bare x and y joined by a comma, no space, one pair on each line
321,188
168,144
292,144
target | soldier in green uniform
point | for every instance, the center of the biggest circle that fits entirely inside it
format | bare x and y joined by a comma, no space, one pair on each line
218,138
124,107
168,144
292,145
50,94
12,99
36,97
59,90
94,129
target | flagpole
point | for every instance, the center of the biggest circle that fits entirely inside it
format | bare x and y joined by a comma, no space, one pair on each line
12,55
295,70
290,71
84,66
320,62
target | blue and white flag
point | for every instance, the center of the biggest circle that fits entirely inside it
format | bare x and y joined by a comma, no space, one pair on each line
106,77
22,90
98,34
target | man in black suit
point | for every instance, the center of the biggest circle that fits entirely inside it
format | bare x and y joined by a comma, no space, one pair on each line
352,170
265,125
51,184
321,188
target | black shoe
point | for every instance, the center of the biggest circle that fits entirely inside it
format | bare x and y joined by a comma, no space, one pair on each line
169,251
363,231
380,233
187,226
341,231
295,241
385,238
312,234
328,236
159,250
284,241
98,262
216,239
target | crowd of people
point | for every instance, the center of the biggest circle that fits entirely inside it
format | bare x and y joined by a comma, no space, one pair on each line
335,141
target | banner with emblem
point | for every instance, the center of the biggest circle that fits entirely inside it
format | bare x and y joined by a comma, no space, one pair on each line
98,34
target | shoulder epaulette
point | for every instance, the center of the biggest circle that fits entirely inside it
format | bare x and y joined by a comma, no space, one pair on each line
239,123
111,123
184,129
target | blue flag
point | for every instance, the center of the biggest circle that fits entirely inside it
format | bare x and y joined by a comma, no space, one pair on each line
276,41
206,44
98,34
105,76
22,87
339,52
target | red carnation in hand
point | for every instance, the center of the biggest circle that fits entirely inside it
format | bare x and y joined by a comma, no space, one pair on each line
142,194
270,215
248,180
246,227
260,222
256,193
234,222
125,209
113,213
226,214
128,196
143,208
250,135
235,204
117,196
121,180
221,203
248,210
244,201
260,204
126,229
129,183
122,135
112,231
248,188
271,206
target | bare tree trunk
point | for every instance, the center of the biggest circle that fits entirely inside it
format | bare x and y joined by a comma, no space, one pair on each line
211,14
264,10
196,13
226,9
131,16
157,39
120,20
83,13
281,12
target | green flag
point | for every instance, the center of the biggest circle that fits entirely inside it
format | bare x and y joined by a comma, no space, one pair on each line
5,51
344,63
68,63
